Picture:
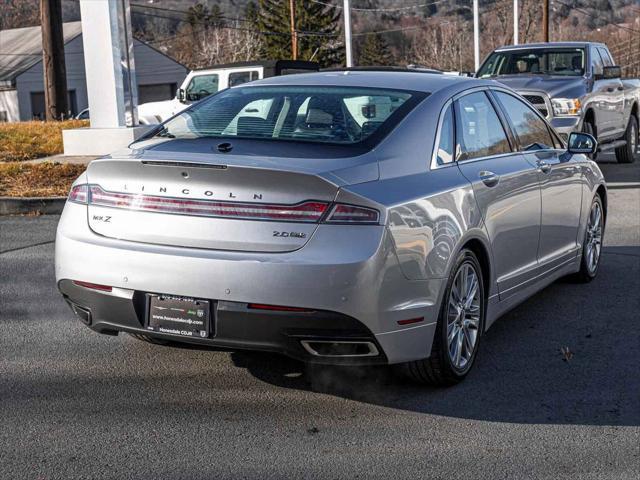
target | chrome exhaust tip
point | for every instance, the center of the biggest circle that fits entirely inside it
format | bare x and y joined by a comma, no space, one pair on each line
339,348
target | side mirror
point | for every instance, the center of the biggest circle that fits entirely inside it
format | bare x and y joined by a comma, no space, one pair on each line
582,143
611,72
181,95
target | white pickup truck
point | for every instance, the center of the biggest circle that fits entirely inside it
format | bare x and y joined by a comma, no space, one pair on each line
202,83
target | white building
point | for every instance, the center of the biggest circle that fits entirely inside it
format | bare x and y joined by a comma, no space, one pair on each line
21,75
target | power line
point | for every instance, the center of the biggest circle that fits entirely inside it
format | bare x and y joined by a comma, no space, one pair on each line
384,10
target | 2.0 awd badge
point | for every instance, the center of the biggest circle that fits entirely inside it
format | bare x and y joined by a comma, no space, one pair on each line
276,233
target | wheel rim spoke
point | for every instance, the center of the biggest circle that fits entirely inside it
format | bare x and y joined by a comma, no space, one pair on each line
463,315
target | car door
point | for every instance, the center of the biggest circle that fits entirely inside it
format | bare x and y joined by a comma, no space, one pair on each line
604,97
506,189
560,181
616,97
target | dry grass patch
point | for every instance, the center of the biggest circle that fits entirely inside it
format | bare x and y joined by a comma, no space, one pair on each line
37,179
21,141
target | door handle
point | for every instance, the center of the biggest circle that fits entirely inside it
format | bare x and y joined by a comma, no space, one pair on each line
543,166
620,89
609,89
490,179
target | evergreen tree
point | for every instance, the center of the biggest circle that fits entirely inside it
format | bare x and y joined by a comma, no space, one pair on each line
374,51
325,45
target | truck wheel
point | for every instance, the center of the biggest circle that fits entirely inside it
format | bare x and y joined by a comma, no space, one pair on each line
587,127
628,153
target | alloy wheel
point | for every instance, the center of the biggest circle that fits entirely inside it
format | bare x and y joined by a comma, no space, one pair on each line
463,316
593,243
634,140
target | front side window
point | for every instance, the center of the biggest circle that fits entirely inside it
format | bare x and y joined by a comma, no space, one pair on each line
548,61
596,62
445,152
479,132
530,129
606,58
333,115
201,86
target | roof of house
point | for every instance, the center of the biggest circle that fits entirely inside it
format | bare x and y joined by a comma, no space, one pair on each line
21,48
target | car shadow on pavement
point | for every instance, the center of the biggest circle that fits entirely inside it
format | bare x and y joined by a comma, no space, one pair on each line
569,355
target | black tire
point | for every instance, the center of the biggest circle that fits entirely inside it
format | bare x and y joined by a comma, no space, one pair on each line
629,152
586,274
146,338
438,368
587,127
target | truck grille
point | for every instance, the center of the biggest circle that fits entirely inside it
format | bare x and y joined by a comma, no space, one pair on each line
538,102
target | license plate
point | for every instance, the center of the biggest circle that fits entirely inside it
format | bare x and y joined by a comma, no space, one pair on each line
184,316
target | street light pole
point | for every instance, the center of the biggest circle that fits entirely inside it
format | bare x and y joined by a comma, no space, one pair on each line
346,13
476,35
515,22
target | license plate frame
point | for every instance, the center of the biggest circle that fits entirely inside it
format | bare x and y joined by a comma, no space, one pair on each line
177,315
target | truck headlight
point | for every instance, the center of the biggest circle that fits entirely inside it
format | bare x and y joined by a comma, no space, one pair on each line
566,106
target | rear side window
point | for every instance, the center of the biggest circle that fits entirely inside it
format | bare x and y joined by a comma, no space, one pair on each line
238,78
332,115
479,132
531,131
446,142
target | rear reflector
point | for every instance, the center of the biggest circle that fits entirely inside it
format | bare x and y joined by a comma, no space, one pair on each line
92,286
410,321
279,308
310,211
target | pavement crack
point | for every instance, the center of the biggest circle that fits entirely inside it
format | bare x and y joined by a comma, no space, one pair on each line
26,246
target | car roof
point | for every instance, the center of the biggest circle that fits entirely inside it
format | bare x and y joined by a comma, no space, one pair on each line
548,45
400,80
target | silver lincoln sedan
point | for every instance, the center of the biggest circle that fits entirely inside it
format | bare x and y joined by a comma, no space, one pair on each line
344,217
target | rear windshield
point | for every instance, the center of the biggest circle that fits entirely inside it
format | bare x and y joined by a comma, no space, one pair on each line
329,115
549,61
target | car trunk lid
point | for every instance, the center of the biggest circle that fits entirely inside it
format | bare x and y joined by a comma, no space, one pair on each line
208,205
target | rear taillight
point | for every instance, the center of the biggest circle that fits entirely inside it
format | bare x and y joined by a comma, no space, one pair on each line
309,211
303,212
341,213
79,193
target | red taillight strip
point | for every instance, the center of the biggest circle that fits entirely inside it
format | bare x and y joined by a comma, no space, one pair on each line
278,308
93,286
310,211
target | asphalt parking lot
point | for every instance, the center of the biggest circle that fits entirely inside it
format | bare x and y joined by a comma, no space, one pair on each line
75,404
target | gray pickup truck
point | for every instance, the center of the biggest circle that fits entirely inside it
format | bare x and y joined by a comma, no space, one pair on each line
577,87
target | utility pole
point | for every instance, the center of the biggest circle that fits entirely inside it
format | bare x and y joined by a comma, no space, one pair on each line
545,20
346,14
294,33
55,75
516,19
476,35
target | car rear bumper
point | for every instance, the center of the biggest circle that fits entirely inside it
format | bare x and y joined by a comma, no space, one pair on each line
348,275
234,326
